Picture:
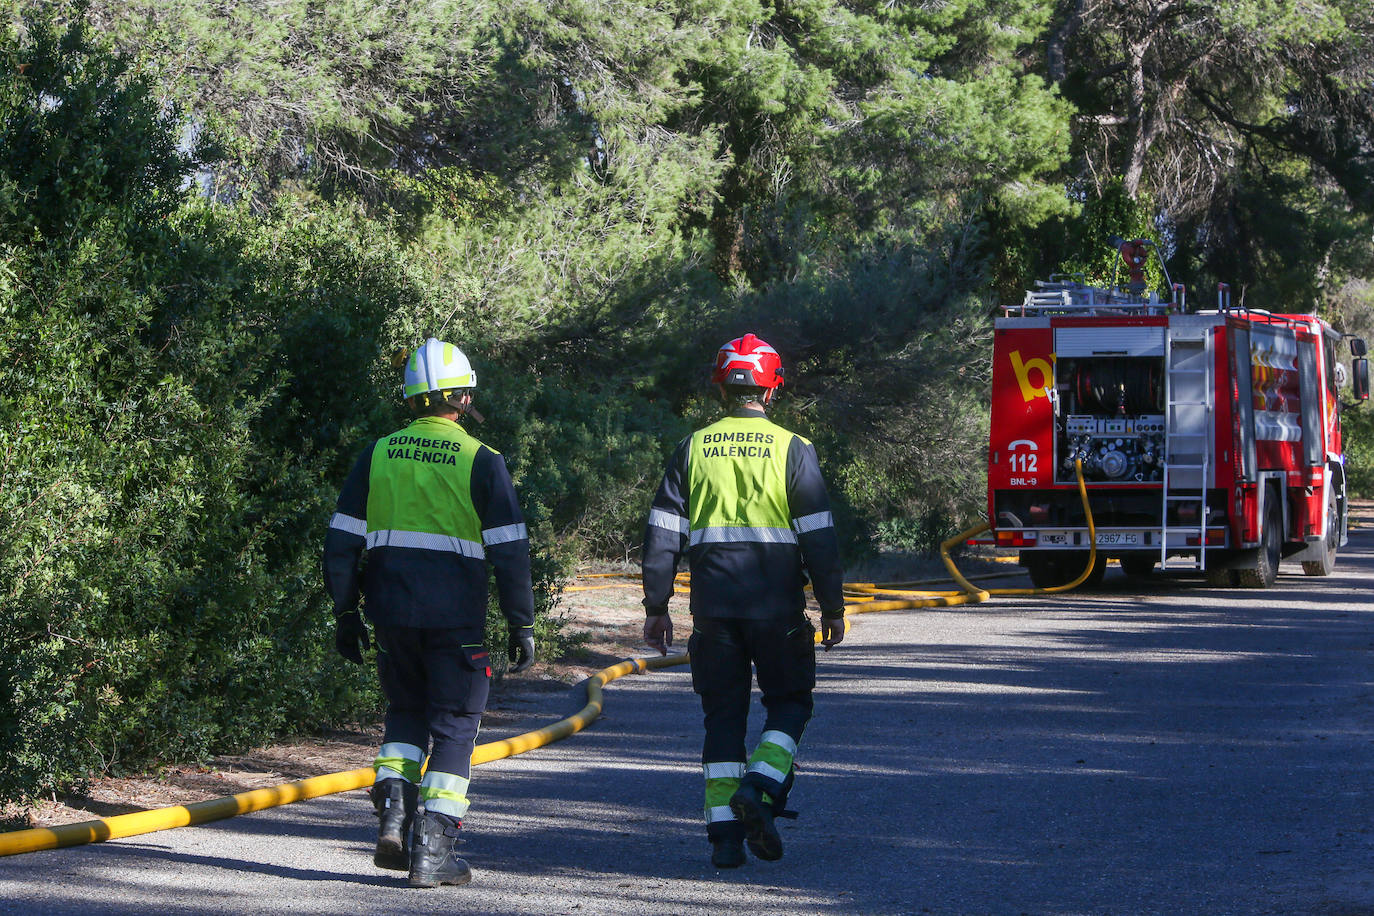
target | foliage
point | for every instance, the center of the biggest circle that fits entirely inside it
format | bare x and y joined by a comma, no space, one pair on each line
184,388
1246,125
1358,428
1244,130
219,217
1351,311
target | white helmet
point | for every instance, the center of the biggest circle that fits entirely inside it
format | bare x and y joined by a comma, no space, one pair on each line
437,366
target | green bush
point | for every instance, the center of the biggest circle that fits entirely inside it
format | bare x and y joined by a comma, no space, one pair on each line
184,387
1357,430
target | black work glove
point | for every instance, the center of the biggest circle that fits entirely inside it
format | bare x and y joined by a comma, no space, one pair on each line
350,636
658,630
520,649
832,629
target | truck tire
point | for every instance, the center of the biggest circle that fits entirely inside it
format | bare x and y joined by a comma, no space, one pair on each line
1041,567
1262,564
1050,569
1138,565
1221,578
1326,563
1074,566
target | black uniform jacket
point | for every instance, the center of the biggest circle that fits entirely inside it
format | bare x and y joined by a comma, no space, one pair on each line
748,580
412,587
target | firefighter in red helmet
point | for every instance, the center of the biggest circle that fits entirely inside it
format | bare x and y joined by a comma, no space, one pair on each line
744,498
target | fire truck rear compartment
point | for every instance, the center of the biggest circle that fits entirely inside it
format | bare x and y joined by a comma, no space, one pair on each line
1111,417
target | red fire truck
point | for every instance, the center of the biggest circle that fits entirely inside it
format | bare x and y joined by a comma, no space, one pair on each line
1208,440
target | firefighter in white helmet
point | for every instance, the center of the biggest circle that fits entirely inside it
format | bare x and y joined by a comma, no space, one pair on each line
744,498
431,507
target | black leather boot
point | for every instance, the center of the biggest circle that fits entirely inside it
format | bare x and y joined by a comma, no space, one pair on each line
432,859
727,844
755,811
395,801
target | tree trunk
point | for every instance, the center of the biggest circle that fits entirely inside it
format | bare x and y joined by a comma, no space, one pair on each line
727,229
1136,117
1058,38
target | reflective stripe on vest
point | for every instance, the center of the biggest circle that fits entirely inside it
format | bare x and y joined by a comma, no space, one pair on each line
420,490
737,483
420,540
743,536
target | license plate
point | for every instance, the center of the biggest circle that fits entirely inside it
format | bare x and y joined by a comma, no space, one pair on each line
1117,537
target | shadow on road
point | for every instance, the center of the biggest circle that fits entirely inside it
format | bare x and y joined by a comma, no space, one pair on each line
1176,750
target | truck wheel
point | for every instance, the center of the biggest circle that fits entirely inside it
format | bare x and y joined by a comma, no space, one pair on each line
1327,563
1221,578
1046,575
1138,565
1043,570
1050,569
1074,566
1262,564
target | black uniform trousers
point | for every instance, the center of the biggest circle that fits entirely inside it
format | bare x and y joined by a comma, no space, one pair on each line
783,654
436,687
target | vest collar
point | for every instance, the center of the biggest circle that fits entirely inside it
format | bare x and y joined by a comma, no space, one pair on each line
443,422
746,413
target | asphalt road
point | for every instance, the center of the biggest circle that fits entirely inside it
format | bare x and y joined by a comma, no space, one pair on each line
1175,751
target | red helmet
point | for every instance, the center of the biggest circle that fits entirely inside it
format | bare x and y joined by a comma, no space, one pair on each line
748,361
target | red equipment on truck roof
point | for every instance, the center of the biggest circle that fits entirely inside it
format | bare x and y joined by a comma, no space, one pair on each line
1208,440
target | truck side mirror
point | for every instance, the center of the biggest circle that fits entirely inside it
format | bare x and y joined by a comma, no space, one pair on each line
1359,368
1357,347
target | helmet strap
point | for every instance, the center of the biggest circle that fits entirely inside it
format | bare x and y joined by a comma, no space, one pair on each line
461,401
735,399
458,400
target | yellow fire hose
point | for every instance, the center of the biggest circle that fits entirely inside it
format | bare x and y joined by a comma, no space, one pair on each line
867,602
1022,592
214,809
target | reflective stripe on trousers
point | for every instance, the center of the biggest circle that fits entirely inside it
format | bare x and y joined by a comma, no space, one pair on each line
445,793
772,759
398,760
722,779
